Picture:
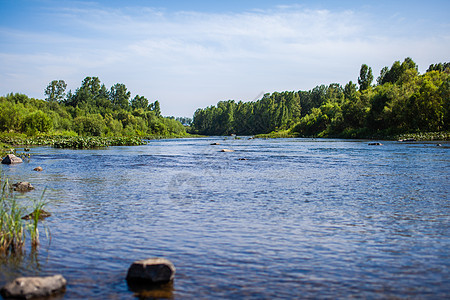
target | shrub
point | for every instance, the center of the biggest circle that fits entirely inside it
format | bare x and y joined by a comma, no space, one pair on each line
37,122
91,125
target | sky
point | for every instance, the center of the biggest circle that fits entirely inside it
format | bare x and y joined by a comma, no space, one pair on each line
192,54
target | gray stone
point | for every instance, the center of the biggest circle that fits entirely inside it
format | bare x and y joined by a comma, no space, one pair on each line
23,187
11,159
33,287
152,270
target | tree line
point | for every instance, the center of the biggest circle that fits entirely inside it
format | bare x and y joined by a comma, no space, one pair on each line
401,101
91,110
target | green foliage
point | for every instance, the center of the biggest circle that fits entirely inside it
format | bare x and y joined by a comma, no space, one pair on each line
403,102
11,115
96,142
139,102
92,110
365,77
55,91
37,122
13,226
91,125
119,96
440,67
393,74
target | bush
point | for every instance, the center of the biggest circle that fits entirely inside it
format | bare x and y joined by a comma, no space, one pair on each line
37,122
11,116
91,125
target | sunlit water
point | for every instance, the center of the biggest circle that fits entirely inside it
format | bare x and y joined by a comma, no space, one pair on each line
299,218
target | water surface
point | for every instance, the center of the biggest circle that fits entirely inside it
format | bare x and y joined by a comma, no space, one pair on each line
298,218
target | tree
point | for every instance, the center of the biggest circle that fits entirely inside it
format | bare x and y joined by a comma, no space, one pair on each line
396,71
349,90
156,108
441,67
139,102
383,73
365,77
119,96
87,93
55,91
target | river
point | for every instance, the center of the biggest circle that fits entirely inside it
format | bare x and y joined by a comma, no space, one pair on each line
277,218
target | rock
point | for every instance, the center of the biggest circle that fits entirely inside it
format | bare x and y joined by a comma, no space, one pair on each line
242,159
32,287
375,144
38,169
23,187
11,159
42,215
215,144
152,270
226,150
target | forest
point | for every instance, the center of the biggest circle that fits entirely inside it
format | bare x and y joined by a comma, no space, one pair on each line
401,101
91,110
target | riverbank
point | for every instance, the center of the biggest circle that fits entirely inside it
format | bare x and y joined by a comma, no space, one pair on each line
423,136
10,141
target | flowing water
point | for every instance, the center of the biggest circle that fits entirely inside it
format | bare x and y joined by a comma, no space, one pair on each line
283,218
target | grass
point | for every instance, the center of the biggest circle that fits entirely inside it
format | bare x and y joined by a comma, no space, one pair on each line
277,134
96,142
77,142
13,228
426,136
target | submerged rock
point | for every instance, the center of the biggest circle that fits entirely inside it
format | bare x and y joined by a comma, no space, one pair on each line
23,187
160,291
375,144
38,169
151,271
42,215
226,150
11,159
33,287
215,144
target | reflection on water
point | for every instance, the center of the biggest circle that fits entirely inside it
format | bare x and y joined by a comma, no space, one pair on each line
162,291
299,218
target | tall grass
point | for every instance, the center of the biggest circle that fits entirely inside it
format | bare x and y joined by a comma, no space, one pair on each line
13,228
12,237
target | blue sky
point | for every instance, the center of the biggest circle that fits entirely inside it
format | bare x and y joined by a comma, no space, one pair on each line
191,54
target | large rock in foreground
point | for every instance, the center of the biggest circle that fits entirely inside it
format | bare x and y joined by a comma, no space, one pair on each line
152,271
33,287
11,159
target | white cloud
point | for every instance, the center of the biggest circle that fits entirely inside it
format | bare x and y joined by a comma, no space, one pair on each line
190,59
